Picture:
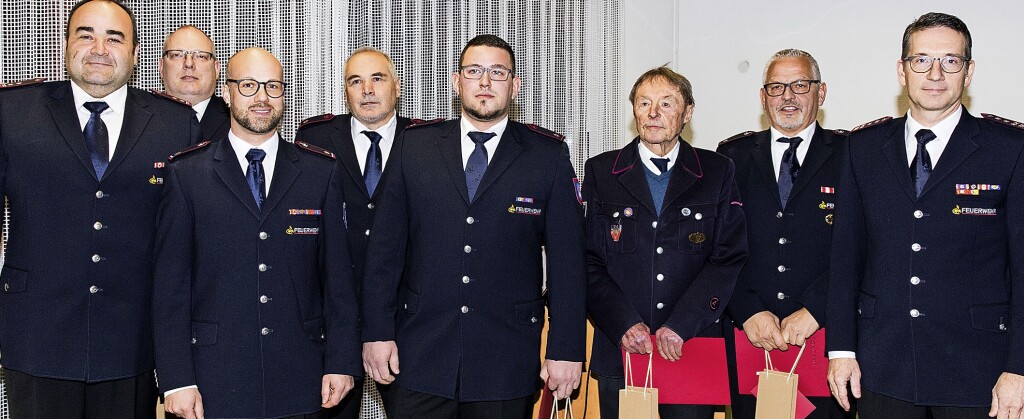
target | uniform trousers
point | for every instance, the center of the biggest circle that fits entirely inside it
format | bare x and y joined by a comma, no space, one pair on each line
608,398
408,404
31,397
876,406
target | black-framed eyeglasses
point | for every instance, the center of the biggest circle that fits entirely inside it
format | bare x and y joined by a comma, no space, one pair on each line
180,54
798,87
249,87
923,63
474,72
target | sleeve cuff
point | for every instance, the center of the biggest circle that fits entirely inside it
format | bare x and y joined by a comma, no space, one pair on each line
841,354
170,392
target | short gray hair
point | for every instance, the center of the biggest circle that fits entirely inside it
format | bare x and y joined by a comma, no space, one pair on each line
792,53
391,64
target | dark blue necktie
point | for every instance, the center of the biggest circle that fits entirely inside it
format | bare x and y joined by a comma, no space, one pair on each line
477,163
922,164
660,163
789,168
96,137
254,175
374,163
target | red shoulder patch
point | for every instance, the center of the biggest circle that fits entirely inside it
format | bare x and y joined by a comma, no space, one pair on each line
871,124
316,119
188,149
170,97
23,83
546,132
1004,121
743,134
416,123
302,145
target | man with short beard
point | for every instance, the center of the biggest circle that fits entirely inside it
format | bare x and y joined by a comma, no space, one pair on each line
787,177
189,69
254,299
82,164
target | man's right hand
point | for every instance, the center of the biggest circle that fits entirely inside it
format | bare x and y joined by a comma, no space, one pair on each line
186,403
380,359
763,331
637,339
843,371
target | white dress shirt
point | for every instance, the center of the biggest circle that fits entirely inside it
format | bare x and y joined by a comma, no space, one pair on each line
270,146
362,142
779,148
491,145
113,116
646,154
200,108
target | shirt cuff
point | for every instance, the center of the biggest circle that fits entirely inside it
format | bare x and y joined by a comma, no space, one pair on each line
841,354
170,392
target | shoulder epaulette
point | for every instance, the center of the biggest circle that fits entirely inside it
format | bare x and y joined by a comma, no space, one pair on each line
316,119
170,97
871,124
1002,120
743,134
841,132
546,132
314,149
22,83
188,149
416,123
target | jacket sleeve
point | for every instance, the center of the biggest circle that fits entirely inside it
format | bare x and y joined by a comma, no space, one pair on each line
341,304
1015,226
849,239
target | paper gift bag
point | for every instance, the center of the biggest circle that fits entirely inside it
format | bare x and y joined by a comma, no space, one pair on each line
638,402
553,405
776,391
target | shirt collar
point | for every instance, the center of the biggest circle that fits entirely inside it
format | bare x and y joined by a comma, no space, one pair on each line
806,135
200,108
242,147
646,154
386,131
115,100
942,130
498,129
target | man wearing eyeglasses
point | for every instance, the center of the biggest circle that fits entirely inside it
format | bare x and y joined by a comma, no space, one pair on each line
787,177
454,267
927,277
189,70
254,301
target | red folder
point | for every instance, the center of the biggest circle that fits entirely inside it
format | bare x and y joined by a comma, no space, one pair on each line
813,367
699,377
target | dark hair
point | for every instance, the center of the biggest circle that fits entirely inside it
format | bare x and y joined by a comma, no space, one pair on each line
937,20
488,40
668,75
119,3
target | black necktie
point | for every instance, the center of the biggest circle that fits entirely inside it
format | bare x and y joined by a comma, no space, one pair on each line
789,168
96,138
921,167
660,163
374,163
254,175
477,163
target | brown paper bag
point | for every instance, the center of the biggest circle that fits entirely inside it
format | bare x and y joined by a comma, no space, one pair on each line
638,402
776,391
554,409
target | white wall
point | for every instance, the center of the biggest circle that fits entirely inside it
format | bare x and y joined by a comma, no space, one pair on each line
722,46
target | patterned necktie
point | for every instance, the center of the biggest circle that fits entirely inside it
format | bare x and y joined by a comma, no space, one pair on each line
96,137
477,163
789,168
922,165
254,175
660,163
374,163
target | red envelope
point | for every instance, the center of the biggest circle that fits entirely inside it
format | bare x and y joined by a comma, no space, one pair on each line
813,367
699,377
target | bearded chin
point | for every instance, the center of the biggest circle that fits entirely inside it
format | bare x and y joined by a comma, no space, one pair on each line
256,126
485,116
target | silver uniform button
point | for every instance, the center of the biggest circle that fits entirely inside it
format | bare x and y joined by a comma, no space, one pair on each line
915,247
918,214
615,214
660,306
94,289
262,267
264,299
685,212
533,319
465,309
193,341
781,296
465,279
467,249
367,232
914,313
654,224
1002,326
782,268
782,240
661,277
99,194
697,216
659,250
265,331
264,235
915,280
97,225
470,220
778,214
96,258
370,205
7,286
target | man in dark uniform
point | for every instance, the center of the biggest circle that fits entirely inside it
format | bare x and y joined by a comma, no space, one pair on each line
787,177
189,69
926,256
254,301
665,239
363,142
82,167
454,271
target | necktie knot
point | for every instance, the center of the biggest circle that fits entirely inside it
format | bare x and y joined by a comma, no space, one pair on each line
373,136
660,163
255,155
480,137
793,142
924,136
96,107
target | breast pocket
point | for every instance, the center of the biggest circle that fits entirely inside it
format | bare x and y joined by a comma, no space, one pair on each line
696,227
620,227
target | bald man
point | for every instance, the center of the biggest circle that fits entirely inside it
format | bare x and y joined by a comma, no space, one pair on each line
189,70
254,297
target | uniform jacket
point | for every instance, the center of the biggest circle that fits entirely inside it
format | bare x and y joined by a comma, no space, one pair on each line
925,289
787,267
253,306
216,120
75,301
334,133
465,308
677,270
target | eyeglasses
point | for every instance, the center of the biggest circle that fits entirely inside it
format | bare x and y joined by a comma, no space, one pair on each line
180,54
949,64
798,87
474,72
249,87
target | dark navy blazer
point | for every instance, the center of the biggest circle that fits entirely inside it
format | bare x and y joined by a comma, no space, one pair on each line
924,290
216,120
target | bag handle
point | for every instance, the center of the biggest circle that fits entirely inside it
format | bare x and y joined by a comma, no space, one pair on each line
769,366
648,381
554,408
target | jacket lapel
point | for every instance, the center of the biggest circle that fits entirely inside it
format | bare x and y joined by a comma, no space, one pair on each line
818,151
65,116
136,116
286,171
895,151
229,172
685,173
961,145
450,146
630,171
509,147
347,153
762,155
